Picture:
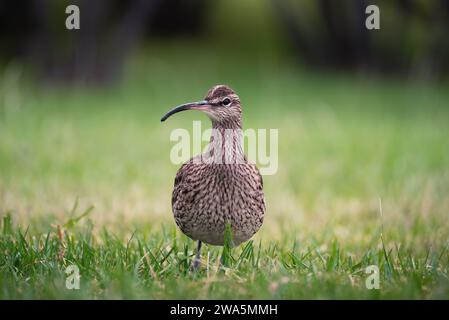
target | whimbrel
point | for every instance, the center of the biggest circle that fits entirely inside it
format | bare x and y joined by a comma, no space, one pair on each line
218,187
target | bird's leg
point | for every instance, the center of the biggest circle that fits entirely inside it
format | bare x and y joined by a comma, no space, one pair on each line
197,259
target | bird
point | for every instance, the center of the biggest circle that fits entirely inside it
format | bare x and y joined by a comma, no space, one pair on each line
220,187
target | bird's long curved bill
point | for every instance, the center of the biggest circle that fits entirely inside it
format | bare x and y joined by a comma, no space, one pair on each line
199,105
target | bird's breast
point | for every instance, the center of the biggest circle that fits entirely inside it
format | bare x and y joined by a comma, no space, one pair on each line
208,197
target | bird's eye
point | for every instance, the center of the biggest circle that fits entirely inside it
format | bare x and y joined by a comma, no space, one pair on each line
226,101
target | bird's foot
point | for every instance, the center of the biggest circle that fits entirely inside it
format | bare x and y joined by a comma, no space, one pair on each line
197,260
195,264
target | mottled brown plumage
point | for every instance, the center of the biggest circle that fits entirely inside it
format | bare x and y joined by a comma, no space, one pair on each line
220,186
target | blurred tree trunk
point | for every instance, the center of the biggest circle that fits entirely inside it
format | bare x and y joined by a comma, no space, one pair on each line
332,34
96,53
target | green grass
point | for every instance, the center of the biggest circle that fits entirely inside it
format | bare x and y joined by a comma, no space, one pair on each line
156,265
346,143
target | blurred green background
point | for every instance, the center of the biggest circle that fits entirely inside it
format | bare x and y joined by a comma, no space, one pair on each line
362,115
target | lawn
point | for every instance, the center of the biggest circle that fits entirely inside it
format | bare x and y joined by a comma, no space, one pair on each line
363,179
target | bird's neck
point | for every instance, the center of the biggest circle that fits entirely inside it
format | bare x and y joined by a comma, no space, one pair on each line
226,143
231,123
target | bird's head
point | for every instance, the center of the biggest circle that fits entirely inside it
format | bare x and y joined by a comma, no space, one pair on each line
221,104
